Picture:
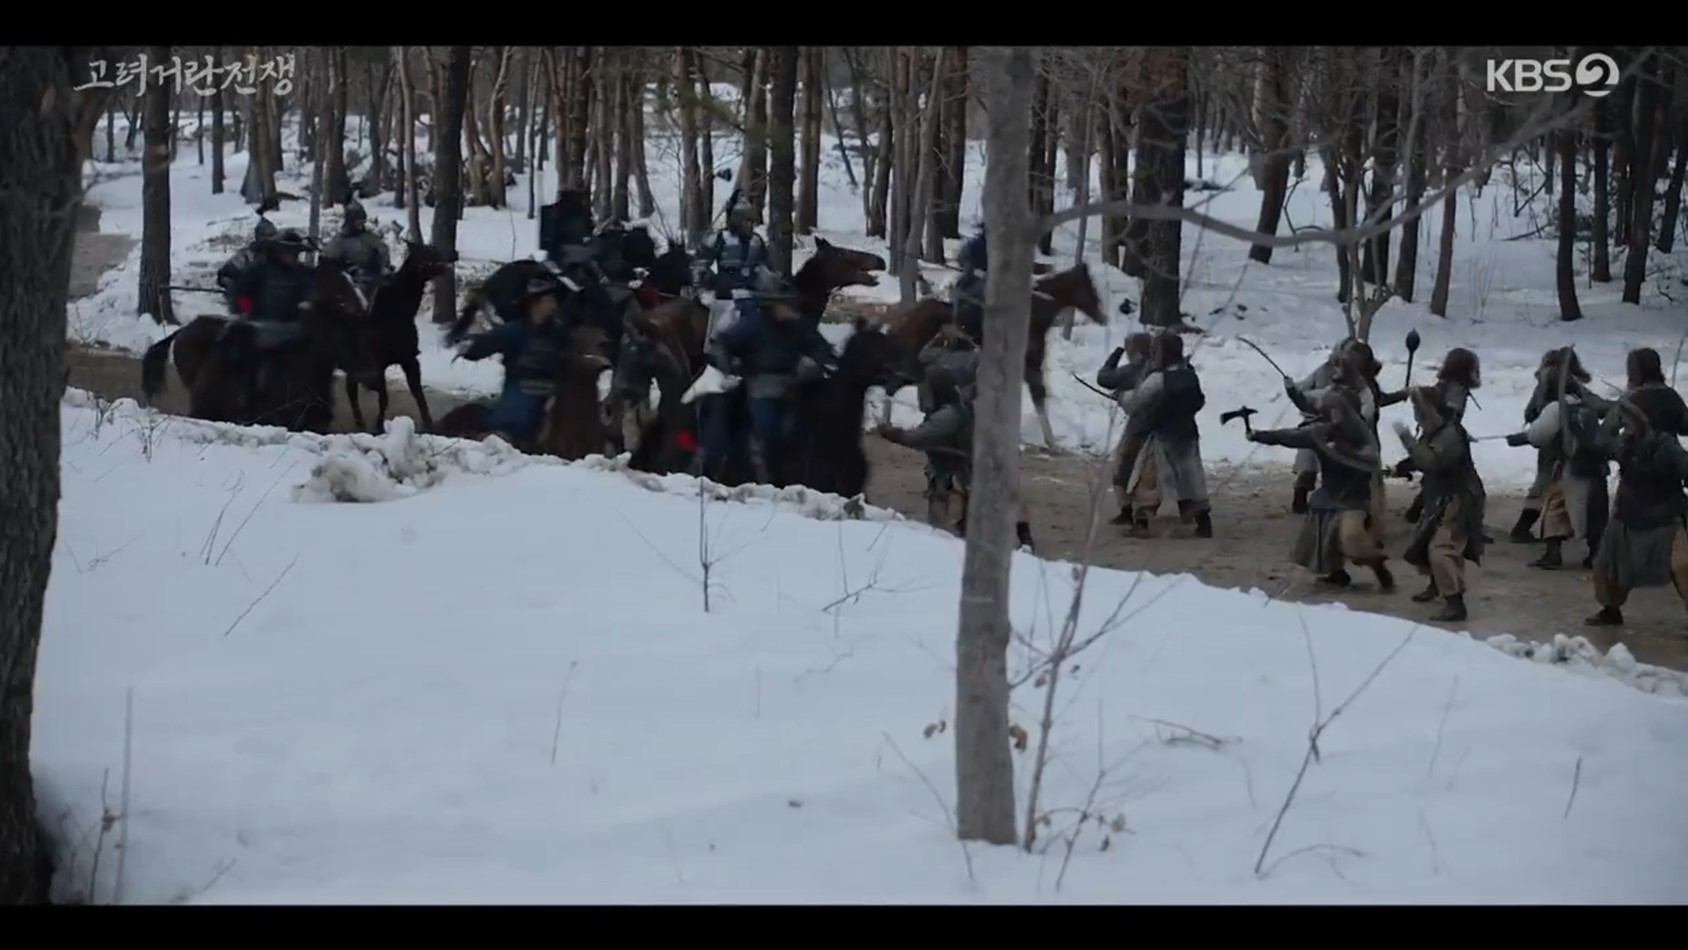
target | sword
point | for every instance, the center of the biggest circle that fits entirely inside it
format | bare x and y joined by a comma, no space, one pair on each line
1253,346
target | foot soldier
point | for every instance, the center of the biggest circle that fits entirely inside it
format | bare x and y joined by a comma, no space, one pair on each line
362,250
946,436
532,349
773,347
1575,504
1666,414
1120,379
1306,460
1449,530
1646,543
1170,462
1335,528
1459,375
967,295
1547,370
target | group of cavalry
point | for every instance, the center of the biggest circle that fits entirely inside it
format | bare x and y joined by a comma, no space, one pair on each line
748,390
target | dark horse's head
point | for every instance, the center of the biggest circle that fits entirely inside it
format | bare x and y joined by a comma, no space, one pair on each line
873,357
832,268
1073,288
670,273
426,261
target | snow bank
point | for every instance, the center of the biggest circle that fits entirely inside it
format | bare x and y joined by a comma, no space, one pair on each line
557,686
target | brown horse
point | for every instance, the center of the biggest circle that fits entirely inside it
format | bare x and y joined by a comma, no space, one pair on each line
1052,295
574,426
386,336
218,358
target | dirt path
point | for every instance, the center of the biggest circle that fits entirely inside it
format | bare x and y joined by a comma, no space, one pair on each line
1252,521
94,255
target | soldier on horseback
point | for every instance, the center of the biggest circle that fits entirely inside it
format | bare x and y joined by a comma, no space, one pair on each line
967,296
272,288
362,250
229,274
740,260
532,349
775,348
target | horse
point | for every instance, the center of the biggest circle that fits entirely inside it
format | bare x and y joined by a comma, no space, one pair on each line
861,260
218,358
574,426
387,334
829,269
825,449
1052,295
666,440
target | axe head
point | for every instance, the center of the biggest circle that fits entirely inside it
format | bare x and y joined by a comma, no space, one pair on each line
1242,414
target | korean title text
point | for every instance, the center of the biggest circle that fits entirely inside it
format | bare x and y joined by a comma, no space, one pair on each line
204,75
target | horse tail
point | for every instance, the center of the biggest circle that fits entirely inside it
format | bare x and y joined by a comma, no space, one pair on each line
472,305
153,365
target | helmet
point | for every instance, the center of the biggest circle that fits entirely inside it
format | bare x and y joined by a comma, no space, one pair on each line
537,287
265,231
943,383
291,239
741,213
355,215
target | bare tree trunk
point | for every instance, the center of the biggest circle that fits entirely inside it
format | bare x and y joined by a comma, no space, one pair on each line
1641,181
809,173
831,94
111,125
984,766
1673,191
1566,142
1600,267
1127,232
924,159
905,132
448,191
954,165
409,188
782,166
1085,116
602,131
1160,159
928,201
339,183
1113,188
870,150
1271,105
1452,167
884,153
524,109
155,200
1374,267
380,120
41,162
480,157
694,208
496,190
199,127
582,76
217,136
621,200
636,133
753,169
1042,175
1416,155
706,139
316,115
1623,147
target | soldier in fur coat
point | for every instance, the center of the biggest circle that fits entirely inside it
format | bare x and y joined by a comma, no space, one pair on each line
1449,531
1461,373
1547,376
1334,532
1165,402
1306,460
1646,544
1575,504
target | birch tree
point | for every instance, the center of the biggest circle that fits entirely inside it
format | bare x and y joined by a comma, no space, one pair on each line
984,767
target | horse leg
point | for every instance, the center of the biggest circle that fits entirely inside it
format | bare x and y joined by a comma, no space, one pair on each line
353,401
413,381
382,400
1040,398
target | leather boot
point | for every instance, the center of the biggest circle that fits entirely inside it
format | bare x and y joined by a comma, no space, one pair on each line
1426,595
1123,518
1023,532
1385,578
1453,611
1204,524
1551,559
1298,502
1522,532
1607,617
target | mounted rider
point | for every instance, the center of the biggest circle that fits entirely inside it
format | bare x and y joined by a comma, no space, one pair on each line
775,348
270,290
363,251
532,349
740,260
244,258
967,295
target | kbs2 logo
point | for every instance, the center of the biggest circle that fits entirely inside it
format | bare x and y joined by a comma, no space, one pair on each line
1594,75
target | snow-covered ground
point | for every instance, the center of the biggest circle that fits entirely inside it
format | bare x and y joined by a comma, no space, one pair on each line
1502,294
498,682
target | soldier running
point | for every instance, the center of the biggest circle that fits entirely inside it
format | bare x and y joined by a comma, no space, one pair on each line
1121,380
1646,543
1575,504
1449,531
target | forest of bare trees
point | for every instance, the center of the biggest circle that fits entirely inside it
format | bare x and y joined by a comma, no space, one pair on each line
1397,131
